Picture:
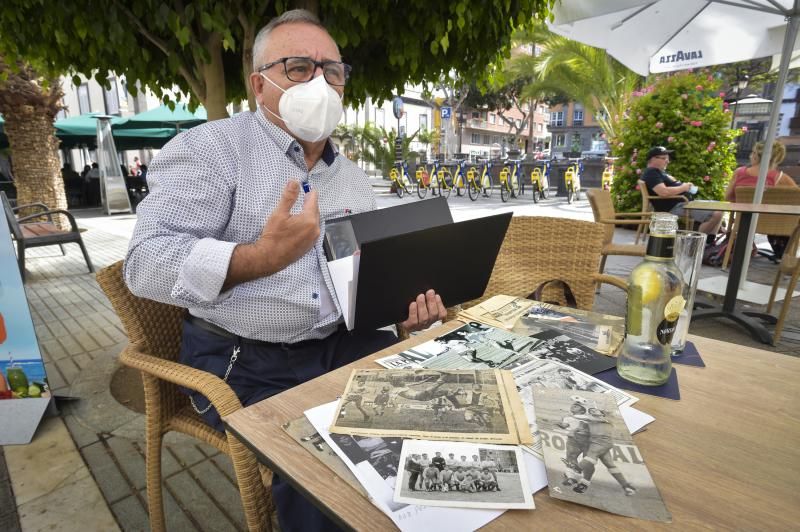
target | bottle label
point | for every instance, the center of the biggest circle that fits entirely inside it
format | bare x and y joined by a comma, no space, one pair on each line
672,311
661,246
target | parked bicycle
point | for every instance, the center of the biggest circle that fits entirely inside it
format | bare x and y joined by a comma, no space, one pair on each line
608,174
479,182
540,181
572,180
399,177
509,180
449,181
424,181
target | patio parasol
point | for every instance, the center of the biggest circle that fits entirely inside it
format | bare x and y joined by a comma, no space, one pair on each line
164,117
655,36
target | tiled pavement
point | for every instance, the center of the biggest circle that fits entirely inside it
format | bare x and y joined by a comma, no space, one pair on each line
81,337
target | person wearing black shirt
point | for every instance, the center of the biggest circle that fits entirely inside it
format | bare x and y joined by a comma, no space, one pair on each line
438,461
660,183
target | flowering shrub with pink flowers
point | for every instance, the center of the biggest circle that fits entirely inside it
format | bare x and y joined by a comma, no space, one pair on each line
685,113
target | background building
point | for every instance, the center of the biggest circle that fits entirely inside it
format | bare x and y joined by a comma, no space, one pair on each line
574,130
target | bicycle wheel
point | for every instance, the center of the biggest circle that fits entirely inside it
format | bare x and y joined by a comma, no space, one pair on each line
473,188
395,177
487,185
459,184
505,191
569,195
543,193
578,195
422,190
535,192
445,182
515,185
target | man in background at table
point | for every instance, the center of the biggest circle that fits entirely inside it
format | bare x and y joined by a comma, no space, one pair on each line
227,233
660,183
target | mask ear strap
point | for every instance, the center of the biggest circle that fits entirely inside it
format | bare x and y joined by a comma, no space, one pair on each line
264,106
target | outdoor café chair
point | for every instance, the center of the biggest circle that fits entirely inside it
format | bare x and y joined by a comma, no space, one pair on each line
648,201
604,213
537,249
789,265
154,336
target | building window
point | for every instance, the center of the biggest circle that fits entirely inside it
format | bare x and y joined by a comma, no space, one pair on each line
518,123
492,118
476,115
111,97
577,117
475,138
487,139
557,119
423,122
561,140
83,99
539,127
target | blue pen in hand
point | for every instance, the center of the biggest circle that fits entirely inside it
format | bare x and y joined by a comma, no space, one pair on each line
306,186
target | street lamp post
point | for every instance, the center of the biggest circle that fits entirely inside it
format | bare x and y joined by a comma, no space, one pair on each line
741,84
460,127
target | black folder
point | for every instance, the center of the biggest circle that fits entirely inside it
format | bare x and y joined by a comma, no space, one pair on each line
455,259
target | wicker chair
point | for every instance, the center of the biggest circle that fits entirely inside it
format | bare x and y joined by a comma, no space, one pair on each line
604,213
768,224
790,265
154,334
538,249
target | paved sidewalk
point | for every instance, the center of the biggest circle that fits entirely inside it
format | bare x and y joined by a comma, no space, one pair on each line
81,337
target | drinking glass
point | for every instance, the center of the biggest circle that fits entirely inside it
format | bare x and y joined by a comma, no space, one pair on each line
689,247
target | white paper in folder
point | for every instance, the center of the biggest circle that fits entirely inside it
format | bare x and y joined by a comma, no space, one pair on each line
344,274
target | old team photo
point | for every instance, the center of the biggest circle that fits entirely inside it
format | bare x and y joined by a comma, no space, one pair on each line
462,475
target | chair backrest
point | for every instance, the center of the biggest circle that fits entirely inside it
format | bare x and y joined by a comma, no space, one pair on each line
773,224
646,205
537,249
153,327
11,217
602,209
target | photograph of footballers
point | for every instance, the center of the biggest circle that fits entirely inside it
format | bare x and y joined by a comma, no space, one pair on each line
472,346
472,476
557,346
590,456
475,405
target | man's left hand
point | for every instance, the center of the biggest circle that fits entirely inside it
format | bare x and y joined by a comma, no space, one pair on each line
426,310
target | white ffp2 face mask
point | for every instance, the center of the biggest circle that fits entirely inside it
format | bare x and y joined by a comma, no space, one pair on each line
310,110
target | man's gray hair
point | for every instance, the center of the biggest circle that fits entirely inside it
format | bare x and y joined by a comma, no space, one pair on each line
289,17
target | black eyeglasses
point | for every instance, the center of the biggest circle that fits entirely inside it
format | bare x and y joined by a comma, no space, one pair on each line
301,69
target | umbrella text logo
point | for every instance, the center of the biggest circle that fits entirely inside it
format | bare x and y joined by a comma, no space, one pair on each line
681,56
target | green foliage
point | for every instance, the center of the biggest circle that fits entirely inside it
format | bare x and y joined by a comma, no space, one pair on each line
685,113
375,145
174,43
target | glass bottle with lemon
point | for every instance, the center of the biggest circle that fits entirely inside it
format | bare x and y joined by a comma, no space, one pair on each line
655,301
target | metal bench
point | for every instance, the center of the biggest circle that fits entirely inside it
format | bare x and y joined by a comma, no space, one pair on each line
29,234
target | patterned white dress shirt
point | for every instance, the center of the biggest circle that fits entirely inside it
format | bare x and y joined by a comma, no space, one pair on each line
214,186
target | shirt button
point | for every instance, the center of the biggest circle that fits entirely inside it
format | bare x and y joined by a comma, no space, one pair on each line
297,148
314,295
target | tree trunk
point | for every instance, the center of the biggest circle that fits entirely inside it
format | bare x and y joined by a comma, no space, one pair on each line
309,5
34,152
214,80
248,39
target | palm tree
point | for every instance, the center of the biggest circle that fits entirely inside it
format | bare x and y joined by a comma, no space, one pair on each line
379,146
29,103
581,72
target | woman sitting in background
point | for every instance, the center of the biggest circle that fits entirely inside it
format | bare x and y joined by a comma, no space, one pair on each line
747,176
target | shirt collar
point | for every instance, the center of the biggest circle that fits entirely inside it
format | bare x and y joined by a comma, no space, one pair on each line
288,143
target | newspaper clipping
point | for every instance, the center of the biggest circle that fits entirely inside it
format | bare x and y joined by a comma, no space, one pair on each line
462,475
556,375
590,456
478,406
499,311
472,346
558,346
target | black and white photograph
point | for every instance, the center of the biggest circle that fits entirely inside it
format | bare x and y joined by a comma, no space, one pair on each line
472,346
340,239
303,432
499,311
558,346
475,405
590,456
557,375
462,475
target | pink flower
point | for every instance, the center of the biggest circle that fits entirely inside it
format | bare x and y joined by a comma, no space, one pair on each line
726,110
707,178
744,129
638,171
712,143
699,88
659,125
684,96
721,94
696,123
670,139
709,78
725,105
636,187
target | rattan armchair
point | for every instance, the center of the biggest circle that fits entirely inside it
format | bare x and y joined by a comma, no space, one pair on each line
789,265
604,213
648,200
538,249
154,335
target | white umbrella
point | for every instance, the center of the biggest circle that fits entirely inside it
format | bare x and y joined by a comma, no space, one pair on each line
652,36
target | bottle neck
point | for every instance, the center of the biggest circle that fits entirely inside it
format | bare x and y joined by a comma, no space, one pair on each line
660,247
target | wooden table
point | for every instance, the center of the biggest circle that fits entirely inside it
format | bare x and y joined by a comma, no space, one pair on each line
726,456
740,255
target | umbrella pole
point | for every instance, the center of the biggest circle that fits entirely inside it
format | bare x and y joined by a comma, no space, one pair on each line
763,168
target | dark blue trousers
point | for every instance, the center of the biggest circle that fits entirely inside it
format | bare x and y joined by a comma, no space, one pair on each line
263,370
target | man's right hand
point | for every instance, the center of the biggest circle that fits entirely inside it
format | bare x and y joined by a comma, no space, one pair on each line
285,238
